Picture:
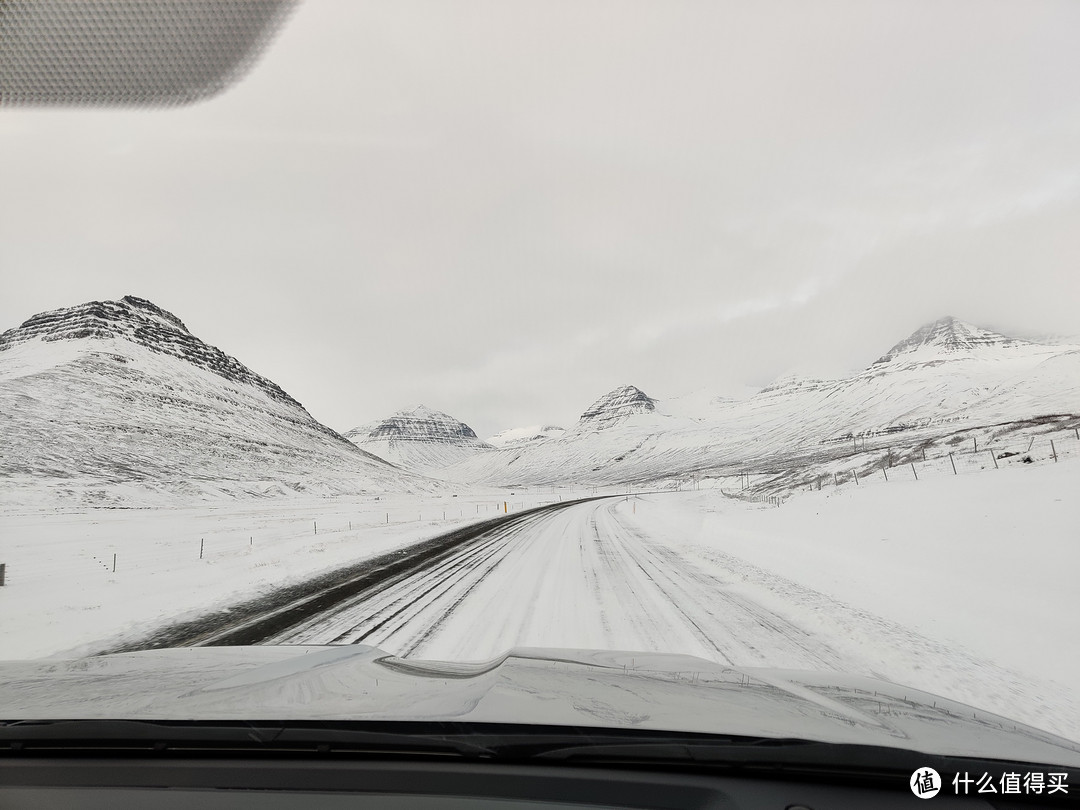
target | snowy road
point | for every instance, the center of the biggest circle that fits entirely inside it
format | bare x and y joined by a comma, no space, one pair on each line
617,573
581,576
921,583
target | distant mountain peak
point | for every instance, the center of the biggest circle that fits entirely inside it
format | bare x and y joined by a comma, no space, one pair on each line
614,406
419,423
948,335
143,323
422,411
521,436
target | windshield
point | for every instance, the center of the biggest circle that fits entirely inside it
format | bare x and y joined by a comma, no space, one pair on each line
722,343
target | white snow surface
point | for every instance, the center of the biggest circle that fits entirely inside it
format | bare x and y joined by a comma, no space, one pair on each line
963,586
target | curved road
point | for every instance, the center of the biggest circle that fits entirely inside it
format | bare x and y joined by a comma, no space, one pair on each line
584,575
577,576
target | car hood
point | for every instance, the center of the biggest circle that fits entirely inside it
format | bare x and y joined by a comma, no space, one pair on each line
583,688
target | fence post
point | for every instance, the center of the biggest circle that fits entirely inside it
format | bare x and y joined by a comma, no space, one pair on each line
886,472
1053,450
114,562
913,471
991,452
975,440
953,462
856,474
3,572
315,523
202,542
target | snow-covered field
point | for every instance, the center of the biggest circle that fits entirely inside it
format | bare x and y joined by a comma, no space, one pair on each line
964,586
959,585
62,596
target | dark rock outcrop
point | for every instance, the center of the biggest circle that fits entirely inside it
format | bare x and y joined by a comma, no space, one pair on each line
615,406
143,323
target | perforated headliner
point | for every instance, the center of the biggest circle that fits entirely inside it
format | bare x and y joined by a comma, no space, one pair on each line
129,52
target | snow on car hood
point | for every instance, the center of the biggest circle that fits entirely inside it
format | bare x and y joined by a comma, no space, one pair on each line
602,689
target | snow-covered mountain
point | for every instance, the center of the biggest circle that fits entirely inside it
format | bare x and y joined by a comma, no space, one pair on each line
614,408
110,402
949,337
519,437
947,376
419,439
606,434
117,402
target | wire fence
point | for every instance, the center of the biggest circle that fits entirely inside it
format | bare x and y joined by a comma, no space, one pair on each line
915,463
263,542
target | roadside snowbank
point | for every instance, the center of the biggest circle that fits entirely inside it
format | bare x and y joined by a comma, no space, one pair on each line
984,565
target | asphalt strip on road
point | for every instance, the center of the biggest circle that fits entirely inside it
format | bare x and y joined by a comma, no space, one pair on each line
260,619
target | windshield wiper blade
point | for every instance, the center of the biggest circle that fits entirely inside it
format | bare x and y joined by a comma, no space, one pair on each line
791,756
517,743
721,750
250,736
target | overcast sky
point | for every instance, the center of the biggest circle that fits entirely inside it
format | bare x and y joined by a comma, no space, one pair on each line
505,209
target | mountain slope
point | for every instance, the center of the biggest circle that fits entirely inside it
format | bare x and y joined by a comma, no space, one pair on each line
419,439
117,402
519,437
945,377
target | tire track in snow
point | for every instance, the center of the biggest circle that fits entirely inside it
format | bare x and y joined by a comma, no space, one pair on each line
581,575
740,630
390,608
621,569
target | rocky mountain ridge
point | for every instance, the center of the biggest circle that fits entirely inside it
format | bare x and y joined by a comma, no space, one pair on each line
418,424
145,324
949,336
615,406
419,439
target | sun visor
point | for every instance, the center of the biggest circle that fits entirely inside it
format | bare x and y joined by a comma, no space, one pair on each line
130,53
